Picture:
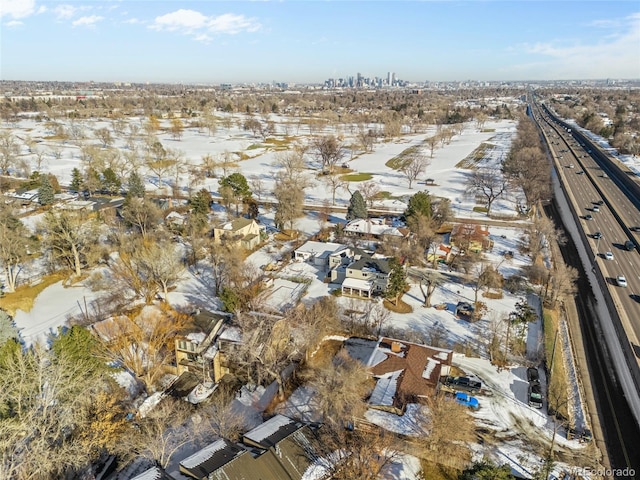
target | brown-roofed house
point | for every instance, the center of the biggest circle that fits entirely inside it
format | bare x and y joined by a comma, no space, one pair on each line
471,237
406,372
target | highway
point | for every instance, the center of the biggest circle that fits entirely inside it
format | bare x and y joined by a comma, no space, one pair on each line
610,363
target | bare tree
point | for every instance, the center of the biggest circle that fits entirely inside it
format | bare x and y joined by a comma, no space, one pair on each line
104,135
142,214
69,238
489,184
14,246
413,166
432,142
9,149
335,182
370,191
329,150
430,280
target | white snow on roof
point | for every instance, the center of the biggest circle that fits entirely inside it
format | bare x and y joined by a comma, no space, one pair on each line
268,428
442,355
356,283
428,369
154,473
231,334
210,353
150,403
385,389
319,249
377,357
203,455
196,337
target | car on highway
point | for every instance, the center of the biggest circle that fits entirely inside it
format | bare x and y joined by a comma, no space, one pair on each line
467,400
597,235
621,280
635,228
571,165
580,172
608,256
533,375
595,208
588,217
629,245
599,202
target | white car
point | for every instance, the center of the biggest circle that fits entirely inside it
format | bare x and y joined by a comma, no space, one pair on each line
608,256
621,281
595,208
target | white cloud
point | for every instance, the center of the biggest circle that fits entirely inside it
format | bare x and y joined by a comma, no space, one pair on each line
191,22
14,23
42,9
63,12
132,21
88,21
232,24
614,55
186,20
17,8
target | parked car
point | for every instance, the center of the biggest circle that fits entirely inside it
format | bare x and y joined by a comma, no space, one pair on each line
466,384
533,375
535,395
608,256
467,400
621,281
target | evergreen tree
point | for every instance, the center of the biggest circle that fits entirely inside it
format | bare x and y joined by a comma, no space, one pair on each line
110,181
45,192
419,204
238,184
201,202
397,281
136,187
357,207
76,180
78,346
486,471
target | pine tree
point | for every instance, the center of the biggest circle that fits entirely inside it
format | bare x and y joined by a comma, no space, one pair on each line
419,204
136,187
397,281
76,180
45,192
8,329
201,202
357,207
110,181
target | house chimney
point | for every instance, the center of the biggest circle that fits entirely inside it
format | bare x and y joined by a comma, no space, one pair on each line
396,347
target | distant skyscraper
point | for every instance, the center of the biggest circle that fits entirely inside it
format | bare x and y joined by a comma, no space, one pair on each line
388,78
393,78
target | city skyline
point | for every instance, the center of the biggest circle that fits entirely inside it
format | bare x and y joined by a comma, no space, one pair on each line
309,42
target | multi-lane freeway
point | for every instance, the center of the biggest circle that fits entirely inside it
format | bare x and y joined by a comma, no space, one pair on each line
604,213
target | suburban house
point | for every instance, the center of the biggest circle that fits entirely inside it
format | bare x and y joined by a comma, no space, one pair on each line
274,450
405,372
375,227
243,232
318,253
472,237
366,277
201,349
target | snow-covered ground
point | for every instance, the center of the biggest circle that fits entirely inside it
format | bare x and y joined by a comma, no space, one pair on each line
501,411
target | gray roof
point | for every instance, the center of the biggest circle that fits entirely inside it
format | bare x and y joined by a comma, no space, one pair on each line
379,264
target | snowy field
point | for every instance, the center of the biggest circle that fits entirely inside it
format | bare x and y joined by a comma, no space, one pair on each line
503,412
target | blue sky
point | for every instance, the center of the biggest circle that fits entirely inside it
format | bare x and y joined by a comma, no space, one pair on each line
309,41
